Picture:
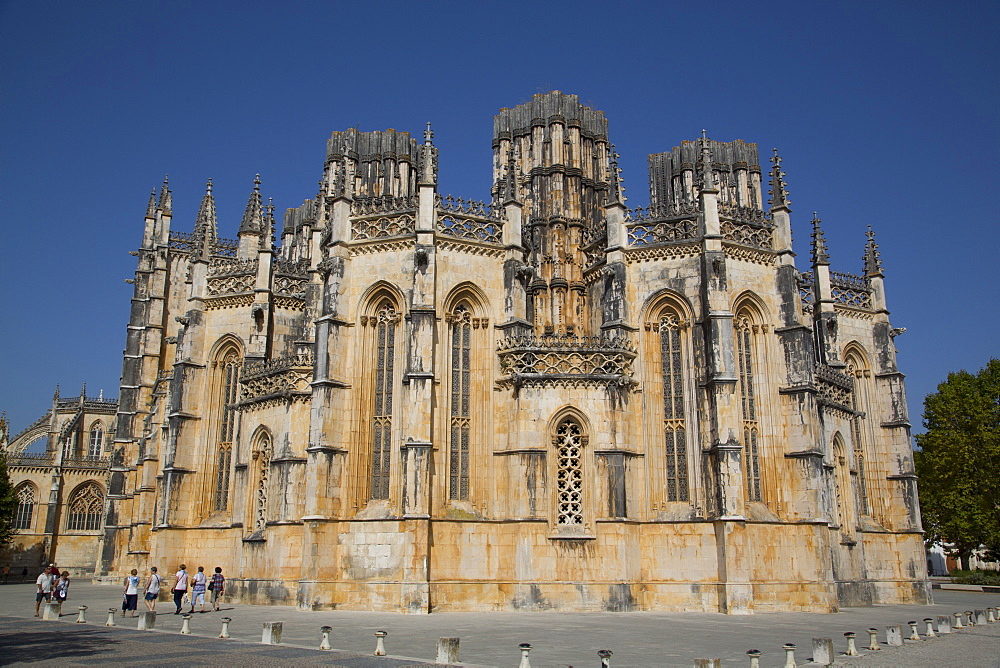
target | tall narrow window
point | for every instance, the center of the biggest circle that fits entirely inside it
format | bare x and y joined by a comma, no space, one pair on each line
25,507
673,408
96,441
69,445
461,355
745,341
86,506
569,442
856,369
385,337
263,471
228,371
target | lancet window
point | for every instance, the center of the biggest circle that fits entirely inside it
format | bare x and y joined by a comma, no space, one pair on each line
746,335
263,456
859,400
96,441
461,418
672,375
228,375
86,506
25,496
569,441
384,322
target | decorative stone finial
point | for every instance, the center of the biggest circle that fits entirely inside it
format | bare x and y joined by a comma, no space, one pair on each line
151,205
872,259
707,174
428,134
267,240
819,252
617,192
253,216
166,197
206,225
779,188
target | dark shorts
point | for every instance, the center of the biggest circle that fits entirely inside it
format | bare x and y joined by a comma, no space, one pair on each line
152,597
42,597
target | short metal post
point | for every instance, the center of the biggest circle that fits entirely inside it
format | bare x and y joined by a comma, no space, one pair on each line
605,655
186,626
225,627
271,633
80,617
958,621
447,650
525,648
380,643
873,640
789,654
147,621
111,617
754,655
324,643
930,627
852,648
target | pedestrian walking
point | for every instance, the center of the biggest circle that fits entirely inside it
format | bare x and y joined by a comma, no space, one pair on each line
131,590
180,587
44,584
24,574
6,573
152,588
199,585
216,586
61,590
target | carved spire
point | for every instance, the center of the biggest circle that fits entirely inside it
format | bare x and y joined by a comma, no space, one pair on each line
707,174
616,194
779,188
873,261
253,217
206,226
166,203
267,240
819,253
428,159
509,193
151,205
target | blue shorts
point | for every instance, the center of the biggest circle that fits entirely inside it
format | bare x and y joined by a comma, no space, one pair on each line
152,597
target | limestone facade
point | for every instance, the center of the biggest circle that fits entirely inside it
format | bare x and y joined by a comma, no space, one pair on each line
407,401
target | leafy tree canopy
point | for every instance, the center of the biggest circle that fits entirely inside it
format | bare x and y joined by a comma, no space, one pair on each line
959,461
8,504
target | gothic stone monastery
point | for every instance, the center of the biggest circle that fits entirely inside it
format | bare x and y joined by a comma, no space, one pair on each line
414,402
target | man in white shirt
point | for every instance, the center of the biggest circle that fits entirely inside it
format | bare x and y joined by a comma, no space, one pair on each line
44,583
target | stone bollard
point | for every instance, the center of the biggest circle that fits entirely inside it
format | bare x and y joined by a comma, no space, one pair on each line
80,619
943,624
958,621
324,642
930,627
186,625
111,617
605,655
225,627
980,617
50,611
271,633
914,633
990,618
894,636
147,621
873,640
447,650
525,648
380,643
754,655
789,654
970,619
852,648
823,651
707,663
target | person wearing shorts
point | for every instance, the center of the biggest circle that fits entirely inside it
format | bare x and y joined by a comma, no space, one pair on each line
44,583
216,586
152,589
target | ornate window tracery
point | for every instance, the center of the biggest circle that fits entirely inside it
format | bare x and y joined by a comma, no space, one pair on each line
857,369
569,441
96,441
228,372
746,335
263,456
461,358
25,496
384,322
86,506
672,376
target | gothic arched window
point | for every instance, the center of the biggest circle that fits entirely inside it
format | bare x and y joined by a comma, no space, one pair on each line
384,322
672,377
746,343
857,368
262,453
458,447
227,372
96,441
842,480
25,496
86,506
569,440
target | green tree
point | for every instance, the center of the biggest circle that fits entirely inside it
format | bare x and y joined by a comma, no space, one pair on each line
8,503
959,462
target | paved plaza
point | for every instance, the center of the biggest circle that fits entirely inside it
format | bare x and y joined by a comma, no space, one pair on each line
487,639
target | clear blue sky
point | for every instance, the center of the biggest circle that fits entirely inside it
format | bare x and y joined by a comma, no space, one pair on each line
885,113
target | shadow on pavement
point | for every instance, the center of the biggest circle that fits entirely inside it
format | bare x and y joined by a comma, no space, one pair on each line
18,644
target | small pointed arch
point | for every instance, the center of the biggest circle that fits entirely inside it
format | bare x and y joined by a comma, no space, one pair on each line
567,411
666,301
378,295
226,344
86,507
26,495
855,355
749,305
261,440
472,296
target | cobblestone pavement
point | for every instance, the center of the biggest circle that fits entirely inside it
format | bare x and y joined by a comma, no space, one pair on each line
490,639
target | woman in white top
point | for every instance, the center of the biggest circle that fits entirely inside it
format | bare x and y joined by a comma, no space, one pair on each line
131,601
152,588
180,587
